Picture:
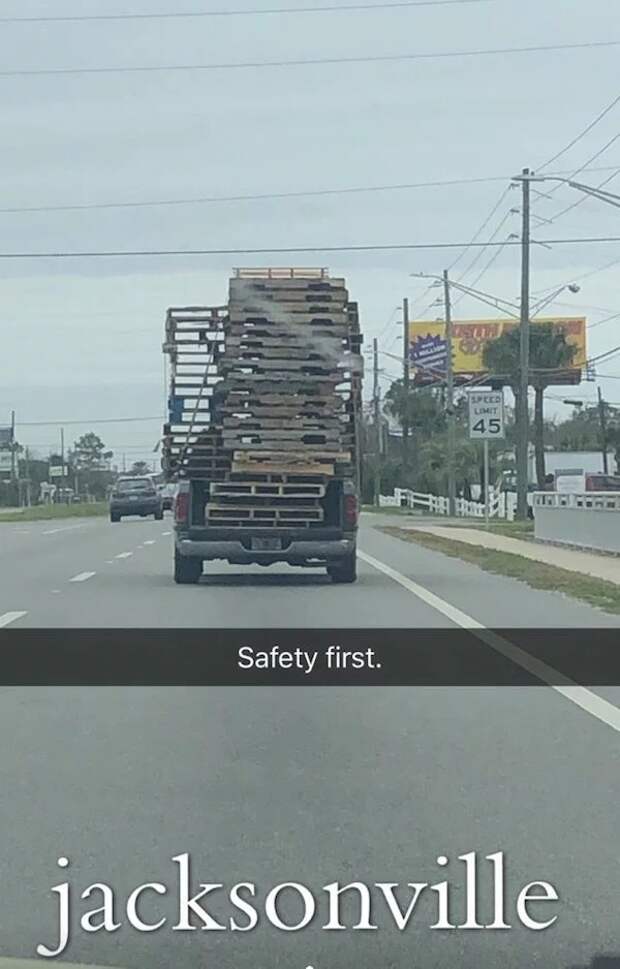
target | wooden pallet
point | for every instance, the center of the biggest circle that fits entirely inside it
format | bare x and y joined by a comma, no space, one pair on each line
259,489
305,424
263,523
256,514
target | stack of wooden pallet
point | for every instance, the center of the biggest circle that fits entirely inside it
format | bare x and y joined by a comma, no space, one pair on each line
289,368
271,393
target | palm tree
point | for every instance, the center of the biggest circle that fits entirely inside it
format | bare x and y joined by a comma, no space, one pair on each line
550,353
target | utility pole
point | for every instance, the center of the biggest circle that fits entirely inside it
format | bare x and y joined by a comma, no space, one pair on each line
376,418
13,442
522,441
62,460
603,422
449,398
405,382
27,496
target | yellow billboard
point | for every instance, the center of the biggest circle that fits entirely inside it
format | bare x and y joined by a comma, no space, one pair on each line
428,350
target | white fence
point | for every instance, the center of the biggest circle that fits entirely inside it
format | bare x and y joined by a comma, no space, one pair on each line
587,520
501,504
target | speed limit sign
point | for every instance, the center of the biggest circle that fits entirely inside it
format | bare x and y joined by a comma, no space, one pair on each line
486,414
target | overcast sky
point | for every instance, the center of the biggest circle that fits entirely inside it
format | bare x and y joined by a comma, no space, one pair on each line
81,339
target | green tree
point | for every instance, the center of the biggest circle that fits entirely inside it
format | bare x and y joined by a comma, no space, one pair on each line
140,468
549,353
89,461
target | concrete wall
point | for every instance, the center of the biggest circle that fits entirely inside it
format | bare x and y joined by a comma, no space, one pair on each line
586,520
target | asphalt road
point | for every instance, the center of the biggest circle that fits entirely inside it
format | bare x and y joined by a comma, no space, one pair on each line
313,785
95,574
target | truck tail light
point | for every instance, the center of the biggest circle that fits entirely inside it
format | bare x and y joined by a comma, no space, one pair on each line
181,507
351,509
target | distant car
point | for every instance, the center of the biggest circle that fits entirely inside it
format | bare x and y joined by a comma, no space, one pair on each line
135,496
167,493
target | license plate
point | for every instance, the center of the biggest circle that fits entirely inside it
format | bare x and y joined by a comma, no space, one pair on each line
133,497
266,544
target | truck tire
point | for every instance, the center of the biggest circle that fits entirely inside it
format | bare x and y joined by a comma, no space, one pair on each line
343,570
115,517
187,571
159,516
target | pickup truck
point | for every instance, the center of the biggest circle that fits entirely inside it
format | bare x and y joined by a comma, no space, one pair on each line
263,428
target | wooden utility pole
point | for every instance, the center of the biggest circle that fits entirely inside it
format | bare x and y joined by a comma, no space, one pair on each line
603,422
450,462
376,419
522,440
405,382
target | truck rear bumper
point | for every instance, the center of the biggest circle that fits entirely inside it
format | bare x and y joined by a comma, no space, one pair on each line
296,552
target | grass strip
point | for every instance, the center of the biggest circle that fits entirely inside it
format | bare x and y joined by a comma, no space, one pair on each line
538,575
51,512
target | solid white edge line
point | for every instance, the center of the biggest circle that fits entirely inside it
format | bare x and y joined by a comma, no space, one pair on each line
588,701
82,576
9,617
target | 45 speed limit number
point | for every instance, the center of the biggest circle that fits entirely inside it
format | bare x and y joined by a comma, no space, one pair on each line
486,414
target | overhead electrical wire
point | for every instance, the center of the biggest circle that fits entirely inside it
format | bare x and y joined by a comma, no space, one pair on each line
346,190
87,420
585,197
490,263
127,253
309,62
608,319
581,134
194,14
490,244
483,226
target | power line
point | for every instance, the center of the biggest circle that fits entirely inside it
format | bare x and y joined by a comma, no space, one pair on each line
581,134
310,62
356,189
481,252
256,197
578,279
490,263
608,319
99,420
193,14
113,253
584,198
482,227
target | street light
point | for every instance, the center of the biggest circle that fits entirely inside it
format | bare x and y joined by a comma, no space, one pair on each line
610,197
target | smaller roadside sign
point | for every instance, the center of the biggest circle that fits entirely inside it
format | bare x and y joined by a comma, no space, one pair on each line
57,471
6,460
486,415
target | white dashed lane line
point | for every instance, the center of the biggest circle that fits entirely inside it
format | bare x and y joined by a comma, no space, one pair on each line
64,528
166,533
150,542
123,555
82,576
9,617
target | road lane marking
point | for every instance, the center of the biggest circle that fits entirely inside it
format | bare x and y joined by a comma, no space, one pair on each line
123,555
82,576
166,533
150,542
64,528
588,701
9,617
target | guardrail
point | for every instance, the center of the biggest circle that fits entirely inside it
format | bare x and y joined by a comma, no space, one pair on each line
588,520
